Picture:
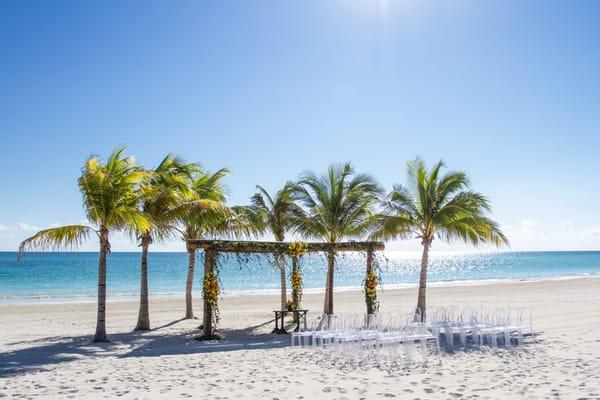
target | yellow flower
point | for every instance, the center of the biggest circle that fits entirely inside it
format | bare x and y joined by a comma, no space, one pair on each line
371,282
297,249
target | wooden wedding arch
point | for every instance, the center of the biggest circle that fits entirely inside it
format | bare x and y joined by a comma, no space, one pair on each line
213,247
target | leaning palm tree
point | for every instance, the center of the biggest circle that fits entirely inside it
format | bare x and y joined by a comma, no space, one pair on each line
276,212
216,223
337,205
167,194
201,221
439,206
111,197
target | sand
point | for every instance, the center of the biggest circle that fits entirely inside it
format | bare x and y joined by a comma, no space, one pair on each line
45,351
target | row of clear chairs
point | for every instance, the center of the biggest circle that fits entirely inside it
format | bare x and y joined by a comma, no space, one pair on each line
391,341
479,326
383,340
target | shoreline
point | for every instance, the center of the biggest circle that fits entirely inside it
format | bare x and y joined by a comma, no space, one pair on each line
313,291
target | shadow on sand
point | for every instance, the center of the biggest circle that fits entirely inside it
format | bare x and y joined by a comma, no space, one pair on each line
45,352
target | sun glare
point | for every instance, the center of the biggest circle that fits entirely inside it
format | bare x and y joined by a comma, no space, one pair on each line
381,7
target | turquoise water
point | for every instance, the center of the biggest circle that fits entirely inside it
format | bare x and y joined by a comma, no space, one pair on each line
44,277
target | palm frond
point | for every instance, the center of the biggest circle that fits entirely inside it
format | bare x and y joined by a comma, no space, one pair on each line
275,211
112,191
212,218
338,204
64,237
443,206
167,196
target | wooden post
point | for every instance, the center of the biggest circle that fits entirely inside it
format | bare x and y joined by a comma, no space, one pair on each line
209,267
370,308
295,291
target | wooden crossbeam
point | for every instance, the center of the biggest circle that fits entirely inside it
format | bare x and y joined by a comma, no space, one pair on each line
243,246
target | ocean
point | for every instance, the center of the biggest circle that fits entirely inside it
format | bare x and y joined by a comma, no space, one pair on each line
71,276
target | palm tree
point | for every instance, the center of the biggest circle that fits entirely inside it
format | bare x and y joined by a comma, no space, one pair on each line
439,206
216,223
200,222
276,213
337,205
167,194
111,197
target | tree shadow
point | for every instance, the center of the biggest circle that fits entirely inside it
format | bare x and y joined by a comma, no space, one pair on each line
168,324
45,353
230,340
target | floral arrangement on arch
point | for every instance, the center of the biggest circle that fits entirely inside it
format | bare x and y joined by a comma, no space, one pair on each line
371,283
297,286
297,250
211,293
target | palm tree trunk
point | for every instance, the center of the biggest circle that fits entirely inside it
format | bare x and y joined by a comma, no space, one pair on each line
100,335
189,312
281,262
328,307
143,323
421,300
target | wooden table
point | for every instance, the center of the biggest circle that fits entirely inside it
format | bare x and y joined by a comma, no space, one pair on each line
299,316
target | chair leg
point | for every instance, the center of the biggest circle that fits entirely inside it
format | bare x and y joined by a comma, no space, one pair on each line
477,334
424,351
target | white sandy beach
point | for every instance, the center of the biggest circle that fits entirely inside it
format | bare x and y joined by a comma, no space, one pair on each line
45,351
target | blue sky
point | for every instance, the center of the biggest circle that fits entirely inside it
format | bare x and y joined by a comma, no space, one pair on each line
506,90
